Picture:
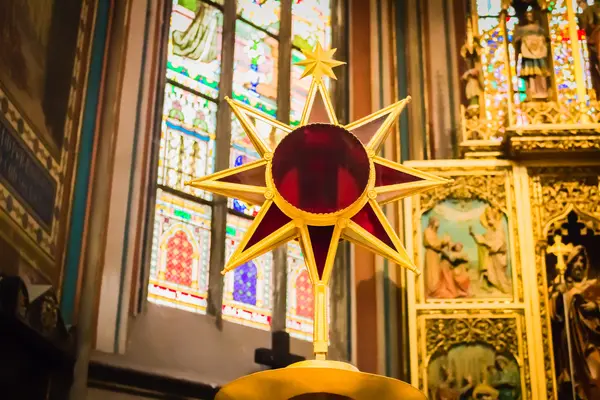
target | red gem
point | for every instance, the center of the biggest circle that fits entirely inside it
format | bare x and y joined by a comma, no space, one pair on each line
320,168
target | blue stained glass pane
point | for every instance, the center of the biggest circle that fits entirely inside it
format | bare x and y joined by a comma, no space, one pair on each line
244,285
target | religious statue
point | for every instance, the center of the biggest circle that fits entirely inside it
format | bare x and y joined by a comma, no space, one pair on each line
198,42
575,315
589,21
531,43
493,251
471,53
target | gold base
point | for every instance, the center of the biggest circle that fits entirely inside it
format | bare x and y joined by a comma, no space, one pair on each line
318,377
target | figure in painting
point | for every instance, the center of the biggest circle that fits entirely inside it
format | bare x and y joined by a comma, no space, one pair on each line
447,389
446,273
505,378
433,248
493,252
531,43
471,53
474,371
589,21
454,270
577,297
198,41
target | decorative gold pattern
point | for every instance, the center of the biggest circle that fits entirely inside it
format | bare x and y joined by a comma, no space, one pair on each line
439,331
481,180
499,333
505,113
519,145
555,191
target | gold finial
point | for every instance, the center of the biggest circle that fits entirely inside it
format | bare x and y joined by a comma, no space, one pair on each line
319,62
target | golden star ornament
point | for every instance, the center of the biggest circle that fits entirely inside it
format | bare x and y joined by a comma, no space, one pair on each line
322,183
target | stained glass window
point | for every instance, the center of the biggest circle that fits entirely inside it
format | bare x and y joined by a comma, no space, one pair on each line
247,297
180,254
187,140
311,23
255,68
263,13
182,228
194,58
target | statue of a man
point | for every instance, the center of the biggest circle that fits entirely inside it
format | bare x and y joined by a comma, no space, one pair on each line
589,21
580,297
471,53
532,44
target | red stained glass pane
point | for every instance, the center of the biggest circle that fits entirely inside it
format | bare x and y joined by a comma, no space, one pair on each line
320,168
320,237
253,177
304,295
368,220
273,220
385,176
180,254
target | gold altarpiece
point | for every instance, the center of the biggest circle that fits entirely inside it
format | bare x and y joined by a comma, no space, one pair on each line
493,315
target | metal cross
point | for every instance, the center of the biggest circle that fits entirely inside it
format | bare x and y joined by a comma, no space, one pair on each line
560,249
279,356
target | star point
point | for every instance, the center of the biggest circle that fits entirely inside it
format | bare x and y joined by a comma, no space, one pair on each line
319,63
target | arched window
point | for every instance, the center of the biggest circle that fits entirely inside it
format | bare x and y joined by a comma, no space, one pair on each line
266,39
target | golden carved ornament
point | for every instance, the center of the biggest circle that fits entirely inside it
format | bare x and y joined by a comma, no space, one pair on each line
499,333
490,188
555,192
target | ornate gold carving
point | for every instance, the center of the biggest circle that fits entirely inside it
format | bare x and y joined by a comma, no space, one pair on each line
490,188
439,331
555,191
500,333
580,143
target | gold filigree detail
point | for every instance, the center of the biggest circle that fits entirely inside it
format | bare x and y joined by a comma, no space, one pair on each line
555,191
490,188
499,333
